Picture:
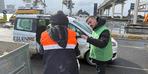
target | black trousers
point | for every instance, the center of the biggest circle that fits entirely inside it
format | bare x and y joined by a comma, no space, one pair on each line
60,61
100,66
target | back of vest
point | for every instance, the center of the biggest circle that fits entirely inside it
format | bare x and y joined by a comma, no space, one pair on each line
49,44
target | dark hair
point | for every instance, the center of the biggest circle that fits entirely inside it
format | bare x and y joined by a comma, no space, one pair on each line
90,17
59,19
60,12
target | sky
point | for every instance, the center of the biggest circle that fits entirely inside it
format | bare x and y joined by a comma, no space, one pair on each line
87,5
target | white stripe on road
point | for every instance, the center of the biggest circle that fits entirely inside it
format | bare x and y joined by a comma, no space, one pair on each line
141,48
129,67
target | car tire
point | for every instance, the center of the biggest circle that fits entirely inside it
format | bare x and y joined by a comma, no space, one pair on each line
89,60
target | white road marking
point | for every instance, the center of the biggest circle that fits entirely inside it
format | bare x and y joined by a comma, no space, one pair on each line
141,48
134,68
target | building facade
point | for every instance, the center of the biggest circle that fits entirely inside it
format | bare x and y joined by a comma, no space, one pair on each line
2,5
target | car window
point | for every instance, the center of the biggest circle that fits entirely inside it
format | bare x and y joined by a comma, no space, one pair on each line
84,26
79,32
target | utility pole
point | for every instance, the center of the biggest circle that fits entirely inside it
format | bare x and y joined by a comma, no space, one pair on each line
136,12
95,9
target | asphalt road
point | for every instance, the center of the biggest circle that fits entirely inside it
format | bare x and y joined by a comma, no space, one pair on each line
132,59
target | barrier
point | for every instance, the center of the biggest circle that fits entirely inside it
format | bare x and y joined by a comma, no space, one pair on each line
14,58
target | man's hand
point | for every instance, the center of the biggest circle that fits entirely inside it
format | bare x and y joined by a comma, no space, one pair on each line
84,37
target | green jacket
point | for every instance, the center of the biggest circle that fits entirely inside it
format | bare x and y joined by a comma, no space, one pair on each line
101,54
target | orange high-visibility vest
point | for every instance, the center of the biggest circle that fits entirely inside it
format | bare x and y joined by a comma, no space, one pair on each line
49,44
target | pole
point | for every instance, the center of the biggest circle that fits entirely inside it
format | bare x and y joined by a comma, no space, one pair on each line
113,9
102,11
135,12
108,12
95,9
122,8
44,7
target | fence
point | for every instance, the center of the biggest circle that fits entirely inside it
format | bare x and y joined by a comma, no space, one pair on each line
14,58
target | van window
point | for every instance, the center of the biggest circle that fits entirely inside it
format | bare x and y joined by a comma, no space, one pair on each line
24,24
42,22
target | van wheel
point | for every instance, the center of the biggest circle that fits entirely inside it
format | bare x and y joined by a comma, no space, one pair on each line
88,60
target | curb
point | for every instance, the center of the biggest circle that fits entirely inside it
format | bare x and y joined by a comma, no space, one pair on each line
129,36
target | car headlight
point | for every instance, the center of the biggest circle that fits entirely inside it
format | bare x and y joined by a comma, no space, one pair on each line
113,44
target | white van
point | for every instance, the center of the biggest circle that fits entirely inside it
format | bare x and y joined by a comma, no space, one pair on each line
26,30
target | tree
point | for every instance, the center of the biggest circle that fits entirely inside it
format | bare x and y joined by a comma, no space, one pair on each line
69,4
81,12
37,2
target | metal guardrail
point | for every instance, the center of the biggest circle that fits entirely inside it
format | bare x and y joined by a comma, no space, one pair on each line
136,30
124,28
118,27
14,58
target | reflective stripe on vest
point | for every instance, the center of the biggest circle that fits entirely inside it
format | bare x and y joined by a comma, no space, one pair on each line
56,46
49,44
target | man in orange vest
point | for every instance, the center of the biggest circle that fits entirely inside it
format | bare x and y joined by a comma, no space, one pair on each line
59,43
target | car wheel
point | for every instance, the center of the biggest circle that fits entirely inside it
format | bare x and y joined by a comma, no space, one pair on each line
89,60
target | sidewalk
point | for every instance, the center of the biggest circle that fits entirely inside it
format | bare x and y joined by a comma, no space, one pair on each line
6,25
129,36
6,34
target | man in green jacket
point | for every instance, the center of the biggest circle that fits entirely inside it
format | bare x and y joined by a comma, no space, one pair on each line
101,46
